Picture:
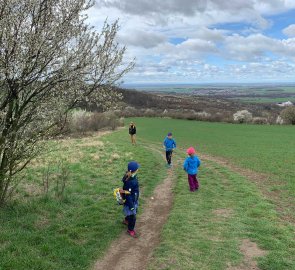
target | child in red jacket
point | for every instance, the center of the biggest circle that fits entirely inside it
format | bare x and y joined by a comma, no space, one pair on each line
191,165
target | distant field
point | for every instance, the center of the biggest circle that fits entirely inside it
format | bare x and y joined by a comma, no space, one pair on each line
264,100
266,149
244,93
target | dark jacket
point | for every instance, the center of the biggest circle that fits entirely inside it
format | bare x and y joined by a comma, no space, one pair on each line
132,130
132,186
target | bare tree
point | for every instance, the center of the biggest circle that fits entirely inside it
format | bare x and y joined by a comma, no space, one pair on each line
50,60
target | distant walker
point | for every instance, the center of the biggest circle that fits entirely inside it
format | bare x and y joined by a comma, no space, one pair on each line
132,133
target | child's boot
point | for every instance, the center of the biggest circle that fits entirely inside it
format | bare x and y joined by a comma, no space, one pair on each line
132,233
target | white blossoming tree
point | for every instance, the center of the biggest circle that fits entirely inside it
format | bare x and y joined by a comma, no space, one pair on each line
243,116
50,61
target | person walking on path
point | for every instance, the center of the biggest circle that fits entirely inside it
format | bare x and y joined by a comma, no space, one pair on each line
191,165
131,195
132,133
169,144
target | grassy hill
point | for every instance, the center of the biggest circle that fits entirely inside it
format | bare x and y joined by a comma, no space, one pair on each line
205,230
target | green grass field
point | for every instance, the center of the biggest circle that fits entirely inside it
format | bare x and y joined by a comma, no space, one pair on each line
194,237
204,229
265,149
40,231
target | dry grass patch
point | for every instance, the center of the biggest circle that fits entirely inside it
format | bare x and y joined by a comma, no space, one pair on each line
250,250
74,157
115,156
223,212
31,189
42,222
95,156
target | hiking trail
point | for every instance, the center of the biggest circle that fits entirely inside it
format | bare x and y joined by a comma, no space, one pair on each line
129,253
134,253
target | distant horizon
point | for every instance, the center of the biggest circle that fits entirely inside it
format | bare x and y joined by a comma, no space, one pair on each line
204,83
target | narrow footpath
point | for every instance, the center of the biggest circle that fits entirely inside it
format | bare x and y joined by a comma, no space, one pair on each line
134,253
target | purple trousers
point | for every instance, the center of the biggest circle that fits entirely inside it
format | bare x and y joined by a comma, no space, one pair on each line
193,182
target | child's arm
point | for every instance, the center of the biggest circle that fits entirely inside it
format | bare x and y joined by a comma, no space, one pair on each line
122,191
129,202
133,190
199,162
164,143
185,164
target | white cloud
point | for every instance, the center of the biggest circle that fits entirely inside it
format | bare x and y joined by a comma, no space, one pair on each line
290,30
173,39
257,47
142,39
197,46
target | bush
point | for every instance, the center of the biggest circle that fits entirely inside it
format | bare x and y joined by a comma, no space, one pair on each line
78,121
243,116
150,113
259,120
279,120
288,115
82,121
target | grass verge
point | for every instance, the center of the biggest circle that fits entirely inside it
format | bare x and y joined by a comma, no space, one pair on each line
46,231
205,229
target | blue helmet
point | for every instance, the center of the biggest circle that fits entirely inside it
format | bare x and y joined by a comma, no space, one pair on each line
133,166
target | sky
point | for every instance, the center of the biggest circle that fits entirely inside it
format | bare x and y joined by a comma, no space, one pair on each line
204,41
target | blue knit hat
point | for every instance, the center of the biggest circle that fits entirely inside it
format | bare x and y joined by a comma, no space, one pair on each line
133,166
169,134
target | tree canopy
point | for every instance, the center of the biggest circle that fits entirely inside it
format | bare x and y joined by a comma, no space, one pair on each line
50,60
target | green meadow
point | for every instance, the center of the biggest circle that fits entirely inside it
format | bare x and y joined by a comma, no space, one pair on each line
43,231
47,230
261,148
196,236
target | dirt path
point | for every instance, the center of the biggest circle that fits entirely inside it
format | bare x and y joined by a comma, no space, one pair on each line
133,254
128,253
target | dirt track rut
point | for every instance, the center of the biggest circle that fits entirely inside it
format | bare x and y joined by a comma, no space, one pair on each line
129,253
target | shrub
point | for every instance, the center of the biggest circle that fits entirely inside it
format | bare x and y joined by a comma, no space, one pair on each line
288,115
243,116
279,120
259,120
150,113
78,121
203,114
81,121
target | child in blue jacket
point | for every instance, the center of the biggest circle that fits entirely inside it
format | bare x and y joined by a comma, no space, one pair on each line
191,165
169,145
130,184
